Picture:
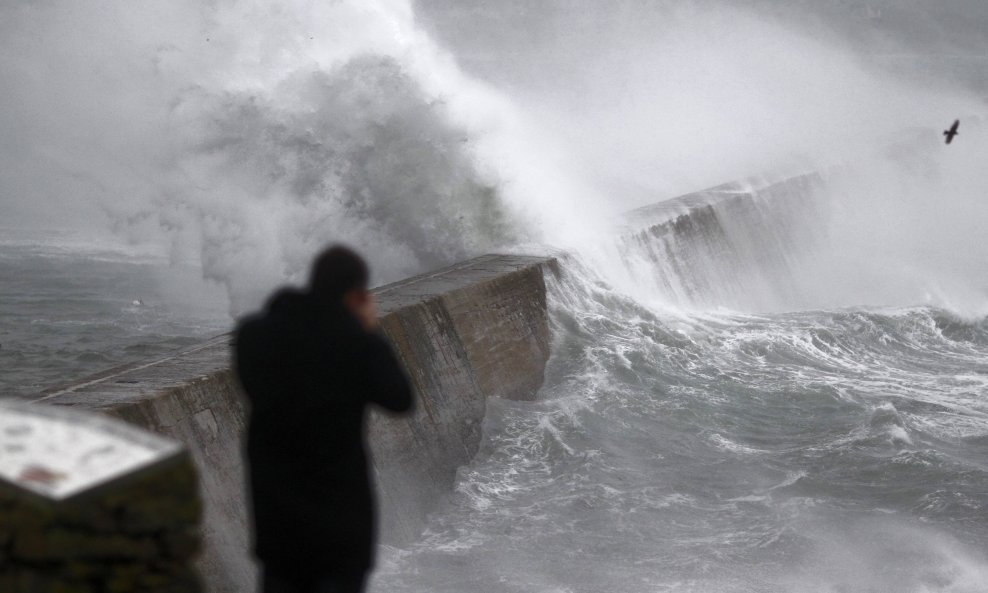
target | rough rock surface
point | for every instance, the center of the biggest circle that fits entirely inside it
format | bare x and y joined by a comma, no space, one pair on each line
136,532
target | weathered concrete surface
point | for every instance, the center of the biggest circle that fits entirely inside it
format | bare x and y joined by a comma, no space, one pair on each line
677,210
190,396
471,331
468,332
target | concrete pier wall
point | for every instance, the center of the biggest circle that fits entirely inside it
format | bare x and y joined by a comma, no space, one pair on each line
465,333
738,245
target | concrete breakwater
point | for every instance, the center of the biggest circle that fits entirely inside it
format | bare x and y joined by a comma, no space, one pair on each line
474,330
723,246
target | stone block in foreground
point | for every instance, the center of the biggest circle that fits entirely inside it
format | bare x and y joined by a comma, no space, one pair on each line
91,505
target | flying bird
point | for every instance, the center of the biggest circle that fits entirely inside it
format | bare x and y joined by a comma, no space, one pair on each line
952,131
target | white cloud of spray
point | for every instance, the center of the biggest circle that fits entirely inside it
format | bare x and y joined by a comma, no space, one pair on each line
884,555
903,229
247,136
355,154
244,135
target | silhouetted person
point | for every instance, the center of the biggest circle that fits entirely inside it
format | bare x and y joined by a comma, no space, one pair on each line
310,364
952,131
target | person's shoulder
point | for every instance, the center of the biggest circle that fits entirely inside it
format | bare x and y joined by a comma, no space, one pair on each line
248,325
283,304
288,301
249,334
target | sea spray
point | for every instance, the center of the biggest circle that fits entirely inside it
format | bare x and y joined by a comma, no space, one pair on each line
237,131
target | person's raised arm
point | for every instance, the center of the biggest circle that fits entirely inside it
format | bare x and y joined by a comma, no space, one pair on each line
381,376
379,373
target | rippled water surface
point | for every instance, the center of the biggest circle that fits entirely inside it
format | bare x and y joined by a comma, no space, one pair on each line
815,451
70,307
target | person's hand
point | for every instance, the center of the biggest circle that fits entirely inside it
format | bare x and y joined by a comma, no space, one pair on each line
366,312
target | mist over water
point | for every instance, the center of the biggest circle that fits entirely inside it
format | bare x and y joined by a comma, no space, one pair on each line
783,391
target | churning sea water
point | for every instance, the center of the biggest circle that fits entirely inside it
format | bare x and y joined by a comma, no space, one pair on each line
704,449
819,451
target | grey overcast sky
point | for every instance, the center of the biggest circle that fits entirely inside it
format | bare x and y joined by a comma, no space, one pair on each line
944,39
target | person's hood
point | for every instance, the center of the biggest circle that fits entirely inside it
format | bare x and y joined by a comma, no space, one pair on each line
289,301
292,302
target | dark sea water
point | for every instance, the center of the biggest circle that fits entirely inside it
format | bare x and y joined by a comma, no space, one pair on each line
71,306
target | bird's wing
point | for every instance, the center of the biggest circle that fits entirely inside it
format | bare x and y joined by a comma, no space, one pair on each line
953,128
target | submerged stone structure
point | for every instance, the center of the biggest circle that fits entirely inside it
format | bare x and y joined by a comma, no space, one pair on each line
465,333
92,505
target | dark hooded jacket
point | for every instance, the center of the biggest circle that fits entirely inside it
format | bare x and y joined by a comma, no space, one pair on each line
309,371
